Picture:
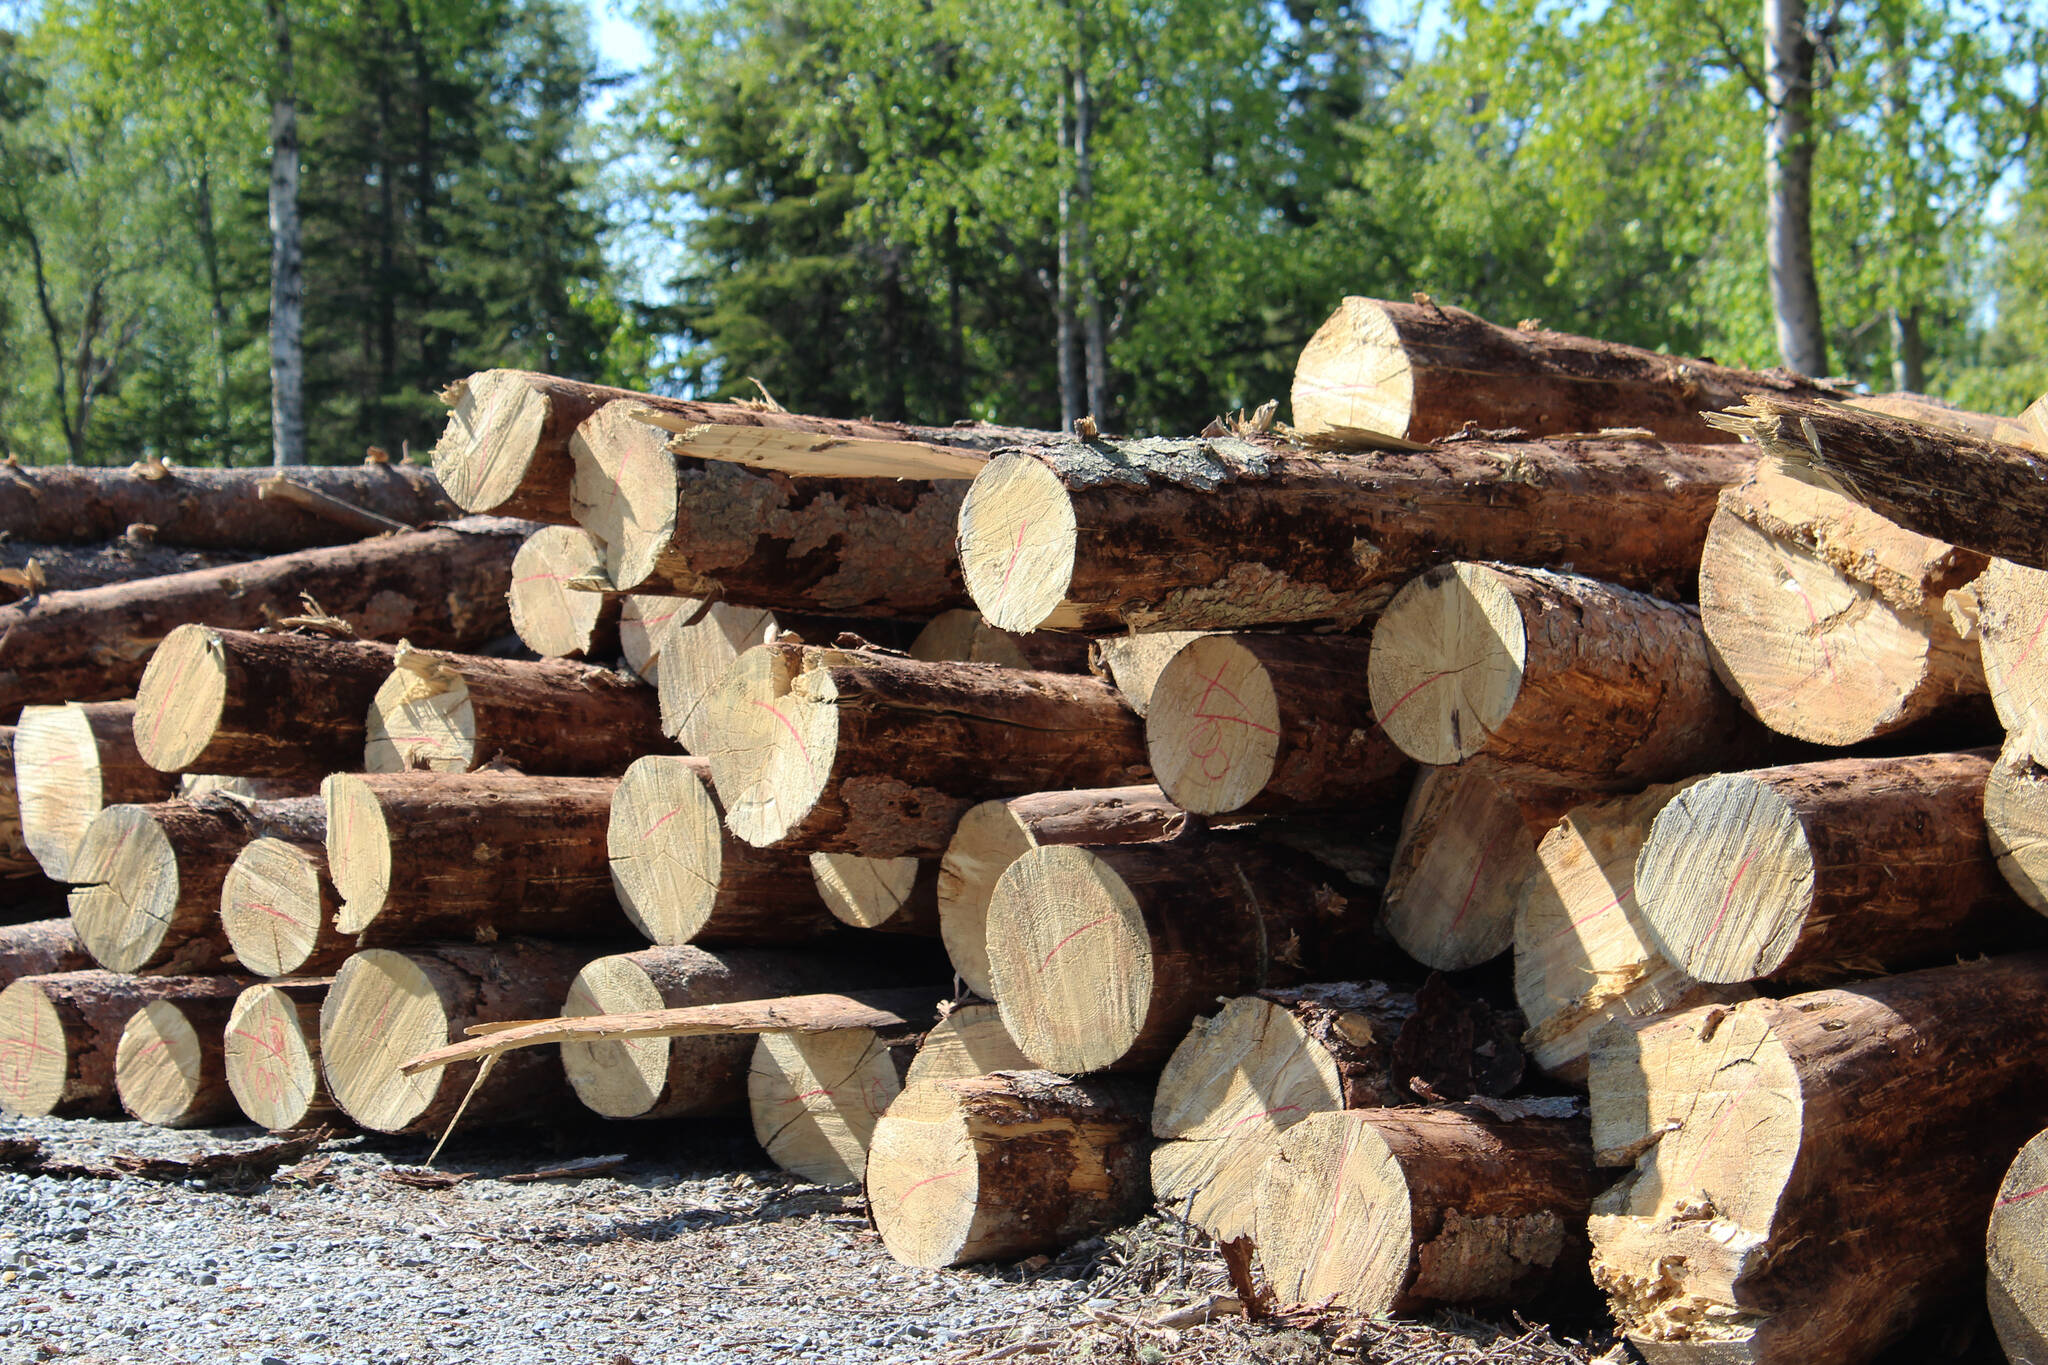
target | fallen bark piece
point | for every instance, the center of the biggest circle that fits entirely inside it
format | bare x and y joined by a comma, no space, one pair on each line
257,705
1980,495
845,546
668,1077
419,856
551,620
1102,957
149,878
209,508
1786,1207
994,834
1382,1211
1829,622
815,1098
272,1055
894,895
1467,845
441,589
998,1167
1573,681
70,763
968,1040
170,1067
1254,1069
1421,372
2017,1287
385,1007
1824,870
840,751
1227,534
1262,723
1584,954
454,713
961,636
278,908
59,1035
683,878
41,947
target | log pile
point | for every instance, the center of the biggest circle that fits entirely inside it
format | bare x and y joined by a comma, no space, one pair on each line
1195,762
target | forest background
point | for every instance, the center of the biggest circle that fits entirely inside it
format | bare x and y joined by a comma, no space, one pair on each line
1017,210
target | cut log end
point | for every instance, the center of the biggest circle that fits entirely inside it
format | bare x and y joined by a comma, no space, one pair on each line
34,1052
1334,1216
1016,543
2016,817
1355,375
624,490
358,850
166,1071
1726,879
1447,661
969,1041
773,759
666,846
1064,922
1464,851
382,1011
2018,1284
924,1178
422,717
875,893
815,1099
551,620
644,625
488,445
127,888
271,906
988,839
2012,617
698,649
179,703
1213,726
618,1078
273,1066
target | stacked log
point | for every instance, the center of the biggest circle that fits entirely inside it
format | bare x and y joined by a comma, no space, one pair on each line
170,1065
70,763
60,1035
271,1054
550,619
279,910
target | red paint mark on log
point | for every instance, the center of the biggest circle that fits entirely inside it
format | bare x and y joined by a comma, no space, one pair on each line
788,725
649,834
942,1175
1015,550
1473,889
1071,937
1726,901
2022,1196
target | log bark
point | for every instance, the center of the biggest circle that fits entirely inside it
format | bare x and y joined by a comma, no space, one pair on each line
1380,1211
1467,845
838,751
1264,723
1936,412
257,705
894,895
420,856
1102,957
453,713
59,1035
968,1040
1572,681
30,569
70,763
681,877
1980,495
220,509
1254,1069
1827,621
1004,1166
961,636
814,1098
1821,871
510,435
994,834
1134,662
272,1054
659,1078
148,879
853,532
170,1066
278,908
385,1007
1225,534
551,620
1420,372
41,947
2017,1289
1584,954
442,589
1790,1204
2006,610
